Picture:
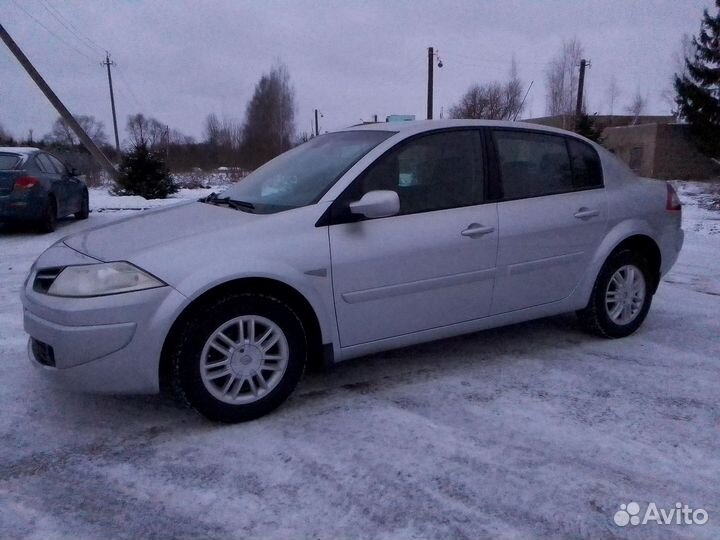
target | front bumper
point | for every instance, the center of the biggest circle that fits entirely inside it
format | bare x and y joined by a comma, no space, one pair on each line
106,344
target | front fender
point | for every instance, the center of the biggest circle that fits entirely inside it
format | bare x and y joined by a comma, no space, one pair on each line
315,288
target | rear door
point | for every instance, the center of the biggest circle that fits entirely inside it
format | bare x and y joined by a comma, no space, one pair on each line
71,186
552,214
54,180
431,265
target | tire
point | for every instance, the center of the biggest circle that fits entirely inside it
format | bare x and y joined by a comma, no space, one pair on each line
604,315
49,219
220,385
84,211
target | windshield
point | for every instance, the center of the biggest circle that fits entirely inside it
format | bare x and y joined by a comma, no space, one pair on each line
302,175
8,161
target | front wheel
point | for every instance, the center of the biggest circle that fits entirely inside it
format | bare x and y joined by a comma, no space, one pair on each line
621,297
84,211
240,357
49,219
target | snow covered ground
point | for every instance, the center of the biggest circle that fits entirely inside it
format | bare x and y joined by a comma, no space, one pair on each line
536,430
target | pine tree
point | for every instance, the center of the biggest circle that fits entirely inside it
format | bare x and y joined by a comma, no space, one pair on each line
588,128
698,90
141,173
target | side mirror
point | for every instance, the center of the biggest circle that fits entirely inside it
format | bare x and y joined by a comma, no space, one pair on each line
377,204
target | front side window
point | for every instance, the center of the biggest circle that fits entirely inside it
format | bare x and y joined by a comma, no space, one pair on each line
532,164
44,163
57,164
432,172
302,175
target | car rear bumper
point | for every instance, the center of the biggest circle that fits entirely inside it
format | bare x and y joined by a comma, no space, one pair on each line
671,243
20,207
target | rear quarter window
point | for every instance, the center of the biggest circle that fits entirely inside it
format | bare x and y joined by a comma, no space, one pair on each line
9,162
587,170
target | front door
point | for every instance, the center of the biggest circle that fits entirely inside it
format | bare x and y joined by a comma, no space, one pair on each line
434,263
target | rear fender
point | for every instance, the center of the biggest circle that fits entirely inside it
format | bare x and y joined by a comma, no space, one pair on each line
613,238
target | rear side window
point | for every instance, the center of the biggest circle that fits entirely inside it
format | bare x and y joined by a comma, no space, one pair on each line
8,162
587,170
432,172
532,164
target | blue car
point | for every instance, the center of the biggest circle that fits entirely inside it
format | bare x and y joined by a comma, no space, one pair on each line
36,187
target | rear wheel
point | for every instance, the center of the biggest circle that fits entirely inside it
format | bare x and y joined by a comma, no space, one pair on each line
240,357
621,296
84,211
49,218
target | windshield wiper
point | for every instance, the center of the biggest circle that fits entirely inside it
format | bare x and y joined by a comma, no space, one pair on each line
232,203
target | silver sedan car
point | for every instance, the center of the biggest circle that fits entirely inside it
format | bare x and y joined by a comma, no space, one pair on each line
367,239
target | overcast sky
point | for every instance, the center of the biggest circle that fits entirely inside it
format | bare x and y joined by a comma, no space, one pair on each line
180,60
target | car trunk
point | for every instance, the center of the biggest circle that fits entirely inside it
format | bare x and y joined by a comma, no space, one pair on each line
7,181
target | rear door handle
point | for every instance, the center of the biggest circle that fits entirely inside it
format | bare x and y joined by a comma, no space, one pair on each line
475,229
586,213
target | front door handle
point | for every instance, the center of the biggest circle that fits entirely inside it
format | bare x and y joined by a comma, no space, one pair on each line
475,229
586,213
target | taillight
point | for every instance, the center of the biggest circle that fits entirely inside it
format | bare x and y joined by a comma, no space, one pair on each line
26,182
672,202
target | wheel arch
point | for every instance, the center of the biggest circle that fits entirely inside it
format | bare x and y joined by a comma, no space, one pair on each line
642,243
636,234
261,285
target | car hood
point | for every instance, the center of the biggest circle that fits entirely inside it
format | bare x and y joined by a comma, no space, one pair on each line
125,238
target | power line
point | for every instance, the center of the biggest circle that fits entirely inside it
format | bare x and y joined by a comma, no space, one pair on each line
70,27
52,33
128,87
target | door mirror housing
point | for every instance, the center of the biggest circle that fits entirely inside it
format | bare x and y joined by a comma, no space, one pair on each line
377,204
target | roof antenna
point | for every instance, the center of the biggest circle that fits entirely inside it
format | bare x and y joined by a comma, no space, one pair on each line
523,101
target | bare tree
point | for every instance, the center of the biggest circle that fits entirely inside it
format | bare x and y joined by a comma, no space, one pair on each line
143,130
269,127
561,78
513,93
5,137
481,101
225,133
613,93
684,50
495,101
62,134
636,106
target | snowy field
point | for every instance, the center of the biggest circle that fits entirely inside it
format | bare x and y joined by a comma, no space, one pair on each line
535,430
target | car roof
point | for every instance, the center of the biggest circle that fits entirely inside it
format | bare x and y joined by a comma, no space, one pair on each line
419,126
20,150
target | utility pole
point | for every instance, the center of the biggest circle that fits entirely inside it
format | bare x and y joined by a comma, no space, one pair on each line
431,54
61,109
581,84
317,130
109,63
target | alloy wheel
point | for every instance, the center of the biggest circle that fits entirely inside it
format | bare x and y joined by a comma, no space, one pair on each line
244,359
625,294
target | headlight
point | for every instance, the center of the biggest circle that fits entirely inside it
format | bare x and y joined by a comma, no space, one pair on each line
101,279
